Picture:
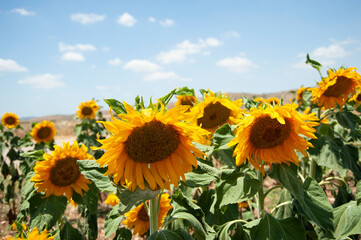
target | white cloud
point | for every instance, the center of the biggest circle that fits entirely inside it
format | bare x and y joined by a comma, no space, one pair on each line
237,64
141,66
233,34
167,22
9,65
330,52
43,81
23,11
115,62
127,20
152,19
87,18
72,57
77,47
180,52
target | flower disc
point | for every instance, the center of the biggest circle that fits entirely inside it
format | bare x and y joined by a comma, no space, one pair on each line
87,109
59,173
10,120
186,100
43,132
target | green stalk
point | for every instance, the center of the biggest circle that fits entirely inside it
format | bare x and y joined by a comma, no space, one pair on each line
313,162
153,215
260,195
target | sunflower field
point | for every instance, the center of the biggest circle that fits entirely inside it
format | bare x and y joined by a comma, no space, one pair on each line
208,168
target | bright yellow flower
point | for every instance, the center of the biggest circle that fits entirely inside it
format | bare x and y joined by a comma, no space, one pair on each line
186,100
150,146
356,98
139,219
35,235
273,101
59,173
271,135
299,94
10,120
43,132
87,109
258,99
215,111
243,204
112,199
336,88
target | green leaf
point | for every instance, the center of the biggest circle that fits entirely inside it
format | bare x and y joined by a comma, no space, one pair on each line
196,179
316,65
44,212
348,120
226,156
187,204
78,130
165,99
223,231
178,234
123,234
358,192
223,136
91,198
70,233
91,171
347,220
28,186
271,228
91,225
284,211
185,91
199,231
112,221
36,154
116,106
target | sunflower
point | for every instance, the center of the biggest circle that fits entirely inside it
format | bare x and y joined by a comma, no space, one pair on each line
112,200
336,88
43,132
35,235
272,134
152,146
186,100
10,120
215,111
59,173
356,98
139,219
272,101
259,99
87,109
299,94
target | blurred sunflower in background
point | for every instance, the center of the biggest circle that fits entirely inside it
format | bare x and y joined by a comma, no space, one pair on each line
152,146
87,109
10,120
188,100
273,101
299,94
35,235
43,132
112,200
272,135
336,88
59,173
356,98
215,111
139,219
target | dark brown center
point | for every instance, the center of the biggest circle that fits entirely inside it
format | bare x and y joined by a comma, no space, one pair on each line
187,100
358,98
10,120
215,115
154,141
44,132
86,111
143,215
340,87
268,133
65,172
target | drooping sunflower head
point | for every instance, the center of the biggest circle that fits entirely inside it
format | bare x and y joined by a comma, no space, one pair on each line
59,173
112,200
150,146
336,88
10,120
87,109
299,94
215,111
188,100
273,101
139,219
43,132
272,135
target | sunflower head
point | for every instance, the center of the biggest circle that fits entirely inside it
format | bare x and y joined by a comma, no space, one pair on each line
272,135
10,120
215,111
139,219
43,132
273,101
188,100
87,109
356,98
299,94
112,200
151,146
35,235
59,173
336,88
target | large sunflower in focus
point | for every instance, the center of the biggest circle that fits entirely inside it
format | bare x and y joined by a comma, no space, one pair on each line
336,88
139,219
150,146
10,120
87,109
43,132
215,111
59,173
271,135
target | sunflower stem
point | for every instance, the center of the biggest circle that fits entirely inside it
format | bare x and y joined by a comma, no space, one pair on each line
153,215
260,195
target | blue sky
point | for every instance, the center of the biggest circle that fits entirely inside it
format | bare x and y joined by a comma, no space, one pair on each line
56,54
